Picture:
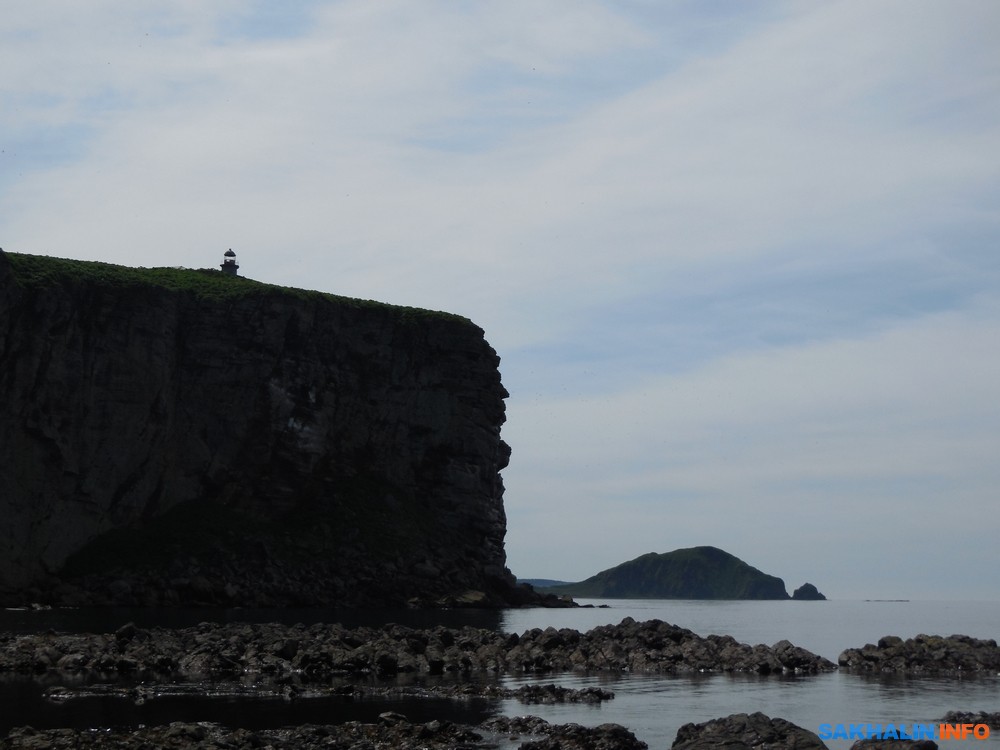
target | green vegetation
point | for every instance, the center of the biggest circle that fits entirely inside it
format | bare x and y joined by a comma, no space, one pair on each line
693,573
39,271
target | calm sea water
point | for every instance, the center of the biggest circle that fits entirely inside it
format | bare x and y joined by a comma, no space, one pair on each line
654,707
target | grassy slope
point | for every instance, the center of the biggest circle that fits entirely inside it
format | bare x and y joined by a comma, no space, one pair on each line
39,271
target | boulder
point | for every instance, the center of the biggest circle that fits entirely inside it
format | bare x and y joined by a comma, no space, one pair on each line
925,654
755,731
990,719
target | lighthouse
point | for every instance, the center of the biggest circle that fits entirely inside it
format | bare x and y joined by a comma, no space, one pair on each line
229,265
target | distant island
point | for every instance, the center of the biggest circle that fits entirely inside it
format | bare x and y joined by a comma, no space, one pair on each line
691,573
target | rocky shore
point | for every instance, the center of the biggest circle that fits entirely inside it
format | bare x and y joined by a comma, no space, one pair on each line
293,662
755,731
924,654
289,691
315,651
392,731
989,718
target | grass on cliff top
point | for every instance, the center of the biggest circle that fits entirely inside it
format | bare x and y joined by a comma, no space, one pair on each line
39,271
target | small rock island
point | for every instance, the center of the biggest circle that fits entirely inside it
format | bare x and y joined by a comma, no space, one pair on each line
808,592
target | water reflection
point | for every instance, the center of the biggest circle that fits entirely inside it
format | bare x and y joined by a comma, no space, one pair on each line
109,619
90,704
653,706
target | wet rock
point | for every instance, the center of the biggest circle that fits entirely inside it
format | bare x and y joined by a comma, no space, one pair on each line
392,718
150,691
322,650
755,731
126,632
576,737
400,735
992,720
924,654
557,694
563,736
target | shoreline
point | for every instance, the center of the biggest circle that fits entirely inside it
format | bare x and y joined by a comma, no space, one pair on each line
300,662
321,650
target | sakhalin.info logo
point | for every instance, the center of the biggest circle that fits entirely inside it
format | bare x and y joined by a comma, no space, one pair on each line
904,731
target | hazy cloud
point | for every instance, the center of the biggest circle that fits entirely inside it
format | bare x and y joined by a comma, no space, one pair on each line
740,260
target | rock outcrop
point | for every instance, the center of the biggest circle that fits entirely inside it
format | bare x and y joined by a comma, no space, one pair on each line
175,436
289,690
562,736
808,592
925,654
392,730
319,651
989,718
694,573
755,731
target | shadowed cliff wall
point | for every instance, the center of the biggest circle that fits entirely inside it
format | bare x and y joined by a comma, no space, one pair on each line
172,436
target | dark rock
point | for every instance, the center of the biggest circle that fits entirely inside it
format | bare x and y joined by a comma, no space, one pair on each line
392,718
754,731
990,719
808,592
564,736
395,734
126,632
322,650
176,437
924,654
392,731
556,694
576,737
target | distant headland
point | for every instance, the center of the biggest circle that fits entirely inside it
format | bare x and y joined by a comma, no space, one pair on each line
691,573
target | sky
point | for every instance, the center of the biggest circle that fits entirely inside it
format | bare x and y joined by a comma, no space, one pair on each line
741,261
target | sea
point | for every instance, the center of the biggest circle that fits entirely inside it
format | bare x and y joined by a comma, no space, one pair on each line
652,706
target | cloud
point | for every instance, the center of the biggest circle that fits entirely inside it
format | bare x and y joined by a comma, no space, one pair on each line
836,445
738,258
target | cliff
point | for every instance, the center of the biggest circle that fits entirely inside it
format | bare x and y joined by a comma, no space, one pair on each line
178,436
694,573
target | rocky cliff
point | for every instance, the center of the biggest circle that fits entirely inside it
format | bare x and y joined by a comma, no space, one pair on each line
179,436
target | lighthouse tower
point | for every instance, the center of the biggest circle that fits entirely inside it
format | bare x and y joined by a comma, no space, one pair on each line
229,265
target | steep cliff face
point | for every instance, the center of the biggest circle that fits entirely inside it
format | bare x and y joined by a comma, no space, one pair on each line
171,435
